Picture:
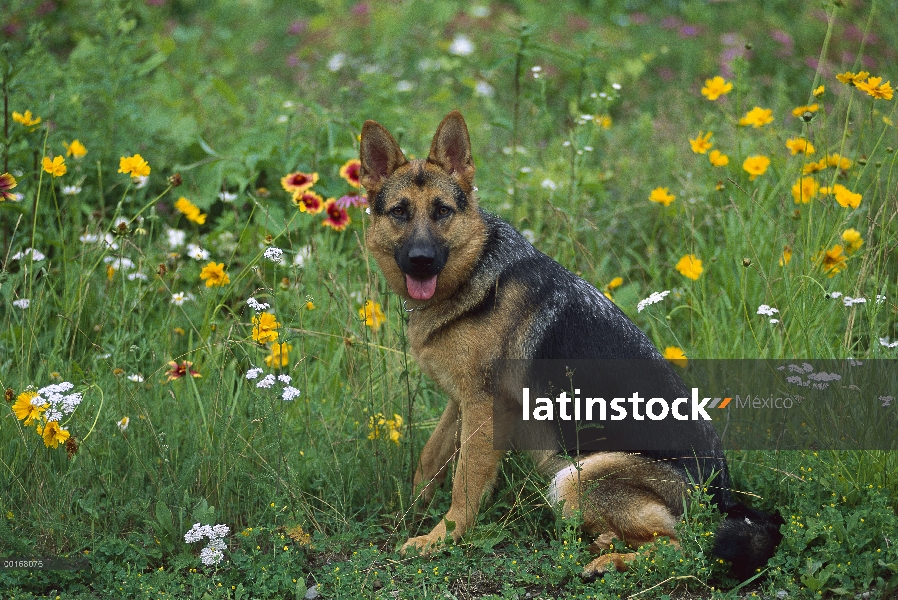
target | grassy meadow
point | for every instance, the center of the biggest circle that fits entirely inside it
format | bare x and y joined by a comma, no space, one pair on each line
184,281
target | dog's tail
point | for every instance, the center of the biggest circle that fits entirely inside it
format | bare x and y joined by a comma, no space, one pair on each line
747,538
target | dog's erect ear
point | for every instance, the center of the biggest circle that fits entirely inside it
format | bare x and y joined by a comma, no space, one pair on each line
451,148
380,156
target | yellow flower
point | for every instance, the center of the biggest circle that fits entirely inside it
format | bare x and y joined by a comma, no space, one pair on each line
832,261
799,144
310,305
615,283
372,314
757,117
190,210
756,165
279,356
690,267
214,275
53,434
845,197
718,158
265,327
800,110
804,190
55,167
874,87
27,119
849,78
676,356
814,167
853,240
819,91
135,166
716,87
837,160
25,410
76,149
786,257
701,144
661,196
603,121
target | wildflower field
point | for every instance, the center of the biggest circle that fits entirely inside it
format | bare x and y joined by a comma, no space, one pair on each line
208,390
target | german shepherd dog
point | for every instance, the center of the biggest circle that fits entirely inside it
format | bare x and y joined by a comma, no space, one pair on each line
477,292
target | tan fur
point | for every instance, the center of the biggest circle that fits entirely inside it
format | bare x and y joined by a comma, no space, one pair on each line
619,495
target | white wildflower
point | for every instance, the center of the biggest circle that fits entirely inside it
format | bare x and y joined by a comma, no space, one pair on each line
22,303
273,254
289,393
256,305
36,255
254,372
176,238
266,382
197,253
654,298
179,298
336,62
461,46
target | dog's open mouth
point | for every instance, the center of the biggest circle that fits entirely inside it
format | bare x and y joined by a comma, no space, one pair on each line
421,289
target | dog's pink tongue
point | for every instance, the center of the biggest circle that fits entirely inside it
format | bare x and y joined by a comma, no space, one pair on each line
421,289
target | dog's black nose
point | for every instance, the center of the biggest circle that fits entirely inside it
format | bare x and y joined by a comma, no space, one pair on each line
421,256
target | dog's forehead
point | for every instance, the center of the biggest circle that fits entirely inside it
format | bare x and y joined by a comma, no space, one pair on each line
417,177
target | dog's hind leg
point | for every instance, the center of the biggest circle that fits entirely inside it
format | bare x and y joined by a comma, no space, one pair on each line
618,496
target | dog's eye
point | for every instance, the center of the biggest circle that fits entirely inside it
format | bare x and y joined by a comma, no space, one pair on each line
443,211
398,211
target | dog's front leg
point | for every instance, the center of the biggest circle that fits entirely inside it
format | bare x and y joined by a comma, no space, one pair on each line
474,476
438,453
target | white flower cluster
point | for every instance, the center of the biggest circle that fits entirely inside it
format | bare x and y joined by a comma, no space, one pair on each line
287,393
256,305
60,404
817,381
22,303
212,553
654,298
767,311
884,341
36,255
195,252
273,254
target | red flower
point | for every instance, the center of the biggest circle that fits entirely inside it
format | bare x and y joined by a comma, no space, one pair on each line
7,182
350,172
176,371
308,201
337,217
299,182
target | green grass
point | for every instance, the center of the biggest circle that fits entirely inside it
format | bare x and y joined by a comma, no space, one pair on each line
235,95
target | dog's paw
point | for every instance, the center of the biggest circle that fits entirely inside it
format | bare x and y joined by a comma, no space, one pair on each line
421,545
602,564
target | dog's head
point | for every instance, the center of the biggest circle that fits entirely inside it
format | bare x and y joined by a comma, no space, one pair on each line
426,232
